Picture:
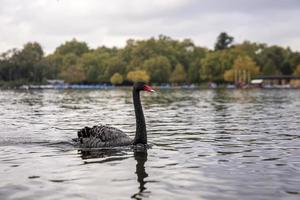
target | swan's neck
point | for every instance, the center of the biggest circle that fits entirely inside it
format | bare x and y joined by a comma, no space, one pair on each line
140,134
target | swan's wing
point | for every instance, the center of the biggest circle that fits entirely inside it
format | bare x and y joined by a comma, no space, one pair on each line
99,136
102,132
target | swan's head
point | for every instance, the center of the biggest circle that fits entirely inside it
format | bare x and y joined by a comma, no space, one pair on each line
141,86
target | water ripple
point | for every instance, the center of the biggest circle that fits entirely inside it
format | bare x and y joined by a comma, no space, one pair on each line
207,144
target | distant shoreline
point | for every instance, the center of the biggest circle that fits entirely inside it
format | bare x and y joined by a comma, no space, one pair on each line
159,87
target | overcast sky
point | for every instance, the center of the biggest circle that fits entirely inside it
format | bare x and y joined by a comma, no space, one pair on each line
112,22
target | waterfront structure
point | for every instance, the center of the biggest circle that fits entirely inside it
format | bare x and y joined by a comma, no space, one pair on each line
274,81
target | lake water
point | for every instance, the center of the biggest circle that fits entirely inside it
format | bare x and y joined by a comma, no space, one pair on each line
206,144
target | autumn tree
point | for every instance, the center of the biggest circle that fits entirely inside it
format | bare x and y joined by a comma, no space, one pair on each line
297,70
242,66
116,79
246,63
229,75
138,75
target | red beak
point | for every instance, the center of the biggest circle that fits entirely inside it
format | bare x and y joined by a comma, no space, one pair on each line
148,88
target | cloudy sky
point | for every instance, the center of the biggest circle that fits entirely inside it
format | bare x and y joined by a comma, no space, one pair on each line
112,22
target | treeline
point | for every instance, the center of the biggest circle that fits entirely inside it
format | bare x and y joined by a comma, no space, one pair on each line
157,60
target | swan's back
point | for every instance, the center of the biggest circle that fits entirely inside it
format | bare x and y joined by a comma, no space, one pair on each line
102,136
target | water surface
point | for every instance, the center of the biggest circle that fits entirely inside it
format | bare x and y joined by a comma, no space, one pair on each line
207,144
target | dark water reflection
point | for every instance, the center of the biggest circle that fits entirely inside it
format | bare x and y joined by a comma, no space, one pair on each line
141,158
115,154
207,144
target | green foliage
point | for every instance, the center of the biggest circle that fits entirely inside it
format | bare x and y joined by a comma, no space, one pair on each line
269,68
159,69
54,63
159,60
32,52
195,64
280,59
93,65
116,79
25,64
215,64
115,65
294,59
178,75
138,75
73,46
193,72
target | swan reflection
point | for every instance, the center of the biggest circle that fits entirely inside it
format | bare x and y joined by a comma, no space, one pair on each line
109,155
103,155
141,158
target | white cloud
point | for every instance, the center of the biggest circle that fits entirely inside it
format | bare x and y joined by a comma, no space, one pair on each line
112,22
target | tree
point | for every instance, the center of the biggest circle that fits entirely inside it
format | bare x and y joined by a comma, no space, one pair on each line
30,59
116,79
229,75
8,65
294,59
297,70
215,64
161,58
242,66
280,58
115,65
94,66
25,64
75,47
32,52
286,68
209,67
269,68
54,65
178,75
159,69
223,41
73,74
195,64
138,75
69,60
193,72
246,63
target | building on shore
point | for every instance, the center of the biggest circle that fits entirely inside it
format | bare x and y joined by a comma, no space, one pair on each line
277,81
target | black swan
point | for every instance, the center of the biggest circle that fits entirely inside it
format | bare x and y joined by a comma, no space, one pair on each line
105,136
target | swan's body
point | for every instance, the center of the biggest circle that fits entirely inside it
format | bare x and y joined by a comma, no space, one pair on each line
105,136
102,136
